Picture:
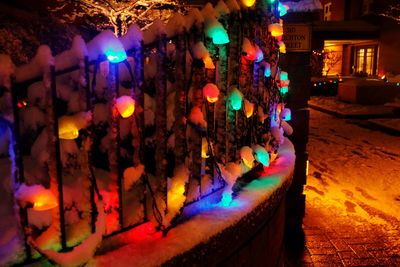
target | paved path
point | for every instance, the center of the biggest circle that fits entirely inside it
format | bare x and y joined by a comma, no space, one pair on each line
352,196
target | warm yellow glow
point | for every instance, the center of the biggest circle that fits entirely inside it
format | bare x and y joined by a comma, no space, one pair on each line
248,3
208,63
125,106
275,29
246,153
45,200
175,194
212,99
273,156
211,92
204,148
282,47
307,167
248,108
67,128
248,163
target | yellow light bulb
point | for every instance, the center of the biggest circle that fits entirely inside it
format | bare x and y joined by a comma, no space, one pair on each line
248,3
67,128
204,148
125,106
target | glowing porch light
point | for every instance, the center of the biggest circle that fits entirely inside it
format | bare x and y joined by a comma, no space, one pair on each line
208,63
125,106
262,155
218,34
246,153
236,99
283,9
285,114
67,128
267,70
204,148
115,56
248,108
211,92
248,3
259,54
275,29
282,47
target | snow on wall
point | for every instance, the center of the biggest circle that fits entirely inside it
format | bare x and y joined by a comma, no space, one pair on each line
7,69
154,251
74,56
194,18
304,5
85,251
175,25
221,9
132,38
38,66
156,29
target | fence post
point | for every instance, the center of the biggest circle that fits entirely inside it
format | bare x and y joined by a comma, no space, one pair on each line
58,156
161,119
114,155
19,171
139,98
180,101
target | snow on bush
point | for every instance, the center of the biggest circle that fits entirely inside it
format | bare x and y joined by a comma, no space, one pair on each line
105,43
196,117
132,38
154,31
232,5
208,13
194,18
32,118
199,51
39,65
175,25
7,69
132,175
221,9
74,56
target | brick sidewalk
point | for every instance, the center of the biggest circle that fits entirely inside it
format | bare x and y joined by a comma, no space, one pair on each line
332,241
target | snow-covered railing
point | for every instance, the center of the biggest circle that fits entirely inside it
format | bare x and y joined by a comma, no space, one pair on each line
148,124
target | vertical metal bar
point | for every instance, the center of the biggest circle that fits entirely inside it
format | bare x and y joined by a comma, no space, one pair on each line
89,103
139,98
118,151
19,176
161,118
58,158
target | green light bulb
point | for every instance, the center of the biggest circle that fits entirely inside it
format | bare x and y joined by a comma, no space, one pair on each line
236,99
219,35
262,155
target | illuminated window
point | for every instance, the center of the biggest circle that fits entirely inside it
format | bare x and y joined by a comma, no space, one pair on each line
327,11
365,60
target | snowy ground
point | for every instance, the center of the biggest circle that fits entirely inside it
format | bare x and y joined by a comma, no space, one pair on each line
333,105
353,184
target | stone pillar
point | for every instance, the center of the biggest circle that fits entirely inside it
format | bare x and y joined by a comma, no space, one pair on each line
297,64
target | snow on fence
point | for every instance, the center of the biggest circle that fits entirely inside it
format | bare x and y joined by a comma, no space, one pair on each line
149,123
